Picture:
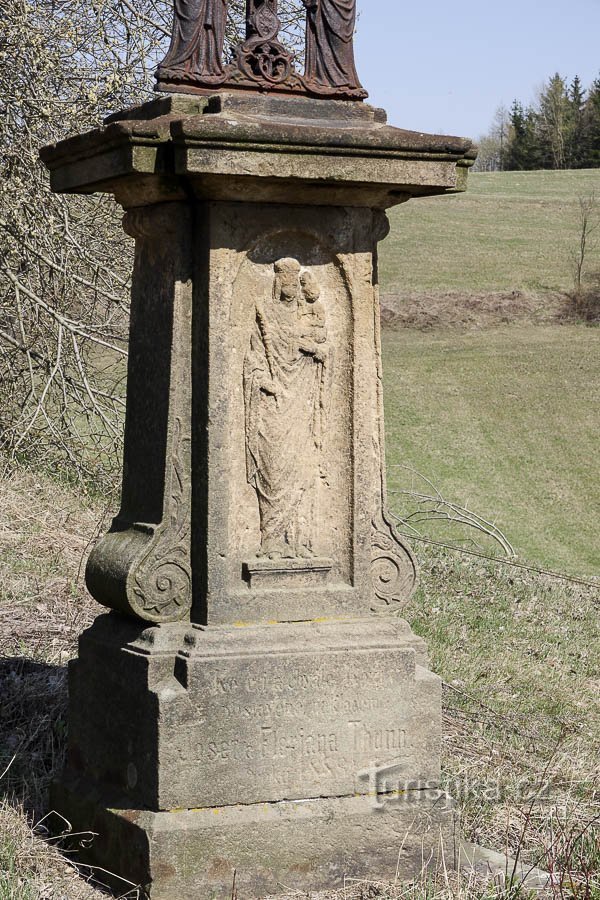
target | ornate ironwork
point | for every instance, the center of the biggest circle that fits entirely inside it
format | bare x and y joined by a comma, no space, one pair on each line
194,62
262,57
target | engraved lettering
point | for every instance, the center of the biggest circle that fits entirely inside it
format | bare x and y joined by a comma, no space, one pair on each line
279,744
368,740
227,685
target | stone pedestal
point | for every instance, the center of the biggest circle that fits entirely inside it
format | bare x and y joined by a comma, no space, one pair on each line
245,707
290,753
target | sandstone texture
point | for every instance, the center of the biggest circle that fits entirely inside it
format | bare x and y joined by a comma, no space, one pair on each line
247,706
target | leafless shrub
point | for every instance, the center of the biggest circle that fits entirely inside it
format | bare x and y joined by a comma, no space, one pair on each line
583,303
64,261
588,222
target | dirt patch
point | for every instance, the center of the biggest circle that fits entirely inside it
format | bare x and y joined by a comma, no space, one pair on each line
472,311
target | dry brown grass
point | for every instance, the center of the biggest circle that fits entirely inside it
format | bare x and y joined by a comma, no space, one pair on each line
442,886
44,532
31,868
478,310
584,303
45,529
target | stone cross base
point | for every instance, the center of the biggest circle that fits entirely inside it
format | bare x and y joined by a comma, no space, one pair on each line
245,708
291,754
267,847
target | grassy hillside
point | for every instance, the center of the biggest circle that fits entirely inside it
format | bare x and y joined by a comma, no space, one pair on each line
510,231
501,417
504,421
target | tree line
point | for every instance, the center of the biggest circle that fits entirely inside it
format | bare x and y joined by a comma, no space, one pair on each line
560,130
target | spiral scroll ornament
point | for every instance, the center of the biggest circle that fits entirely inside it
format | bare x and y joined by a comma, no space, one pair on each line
393,568
163,591
162,580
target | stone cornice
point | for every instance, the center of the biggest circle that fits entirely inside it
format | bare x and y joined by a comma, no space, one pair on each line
208,139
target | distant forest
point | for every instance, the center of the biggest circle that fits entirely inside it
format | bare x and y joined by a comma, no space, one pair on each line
561,130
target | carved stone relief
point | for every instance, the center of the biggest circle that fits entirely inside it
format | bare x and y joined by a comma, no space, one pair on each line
163,579
142,567
393,568
287,375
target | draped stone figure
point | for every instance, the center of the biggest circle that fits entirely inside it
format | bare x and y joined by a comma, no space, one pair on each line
330,67
284,392
196,51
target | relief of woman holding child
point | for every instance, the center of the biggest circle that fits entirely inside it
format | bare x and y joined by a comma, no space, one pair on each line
286,377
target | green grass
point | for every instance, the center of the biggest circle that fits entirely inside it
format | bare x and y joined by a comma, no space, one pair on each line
511,230
504,421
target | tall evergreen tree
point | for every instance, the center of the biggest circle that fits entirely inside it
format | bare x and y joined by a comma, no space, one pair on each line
576,149
591,125
562,131
523,149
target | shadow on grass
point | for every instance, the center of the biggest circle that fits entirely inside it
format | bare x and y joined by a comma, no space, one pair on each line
32,730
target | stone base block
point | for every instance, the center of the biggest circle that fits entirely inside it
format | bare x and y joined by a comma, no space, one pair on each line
209,717
291,754
270,848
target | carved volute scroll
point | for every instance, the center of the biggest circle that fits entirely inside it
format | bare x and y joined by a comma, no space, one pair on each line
394,570
393,567
194,62
162,579
142,566
286,385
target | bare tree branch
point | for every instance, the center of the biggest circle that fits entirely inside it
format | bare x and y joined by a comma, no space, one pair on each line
418,508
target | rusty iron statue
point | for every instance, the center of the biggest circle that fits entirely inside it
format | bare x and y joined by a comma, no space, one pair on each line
330,68
196,52
194,62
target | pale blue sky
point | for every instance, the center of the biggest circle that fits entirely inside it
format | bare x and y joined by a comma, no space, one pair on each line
446,66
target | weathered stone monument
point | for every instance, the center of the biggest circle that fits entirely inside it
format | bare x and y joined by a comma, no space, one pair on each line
244,707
